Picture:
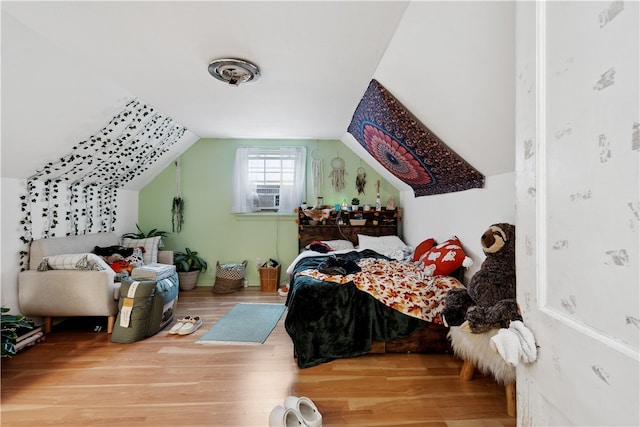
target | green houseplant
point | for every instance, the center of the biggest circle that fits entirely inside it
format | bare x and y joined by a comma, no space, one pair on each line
355,203
10,323
142,235
189,265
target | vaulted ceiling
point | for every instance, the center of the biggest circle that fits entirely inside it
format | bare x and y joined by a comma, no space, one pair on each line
69,67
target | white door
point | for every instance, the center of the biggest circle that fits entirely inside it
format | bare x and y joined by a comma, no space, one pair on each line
578,210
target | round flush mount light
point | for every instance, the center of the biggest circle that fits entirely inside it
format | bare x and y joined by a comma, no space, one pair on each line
234,71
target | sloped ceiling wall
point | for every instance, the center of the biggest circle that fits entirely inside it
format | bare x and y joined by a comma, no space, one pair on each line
77,193
51,101
66,77
451,64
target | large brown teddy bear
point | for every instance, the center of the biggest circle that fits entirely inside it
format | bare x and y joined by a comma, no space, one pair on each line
490,298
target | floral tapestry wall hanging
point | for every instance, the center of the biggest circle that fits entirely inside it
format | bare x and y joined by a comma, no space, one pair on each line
407,148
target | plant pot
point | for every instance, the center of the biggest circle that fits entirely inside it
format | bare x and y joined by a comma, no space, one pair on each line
188,279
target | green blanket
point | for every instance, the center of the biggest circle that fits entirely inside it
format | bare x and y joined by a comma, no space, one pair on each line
327,321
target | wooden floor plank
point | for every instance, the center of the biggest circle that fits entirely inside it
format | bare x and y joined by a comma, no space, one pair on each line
78,377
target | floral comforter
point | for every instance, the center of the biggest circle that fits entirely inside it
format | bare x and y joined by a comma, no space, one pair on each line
399,285
330,317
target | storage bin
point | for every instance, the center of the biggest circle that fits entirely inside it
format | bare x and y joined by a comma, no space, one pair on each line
269,278
229,277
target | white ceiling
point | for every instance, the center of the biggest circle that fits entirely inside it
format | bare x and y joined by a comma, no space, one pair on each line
68,67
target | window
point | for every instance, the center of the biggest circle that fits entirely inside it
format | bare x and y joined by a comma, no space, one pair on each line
268,179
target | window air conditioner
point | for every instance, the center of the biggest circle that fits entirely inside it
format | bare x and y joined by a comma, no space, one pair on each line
268,197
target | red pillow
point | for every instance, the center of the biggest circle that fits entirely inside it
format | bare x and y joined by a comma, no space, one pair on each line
422,248
444,258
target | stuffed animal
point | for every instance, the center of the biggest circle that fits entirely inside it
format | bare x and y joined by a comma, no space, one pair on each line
490,298
121,258
136,258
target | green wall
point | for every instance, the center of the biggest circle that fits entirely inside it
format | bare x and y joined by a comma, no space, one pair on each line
219,235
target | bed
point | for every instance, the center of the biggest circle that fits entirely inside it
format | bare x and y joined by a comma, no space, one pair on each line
332,316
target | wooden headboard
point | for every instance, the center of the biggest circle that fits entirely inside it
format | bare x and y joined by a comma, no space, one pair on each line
387,225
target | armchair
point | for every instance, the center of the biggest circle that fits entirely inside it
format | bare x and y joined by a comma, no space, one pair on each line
71,292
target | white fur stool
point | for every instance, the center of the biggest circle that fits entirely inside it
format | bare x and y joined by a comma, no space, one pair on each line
476,352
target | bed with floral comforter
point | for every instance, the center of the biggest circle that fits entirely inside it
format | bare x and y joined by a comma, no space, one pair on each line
337,316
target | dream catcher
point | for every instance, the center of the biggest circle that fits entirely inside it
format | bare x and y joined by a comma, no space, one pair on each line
337,174
361,180
317,167
177,207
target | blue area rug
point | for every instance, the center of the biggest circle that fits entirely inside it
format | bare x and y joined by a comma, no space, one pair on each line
245,323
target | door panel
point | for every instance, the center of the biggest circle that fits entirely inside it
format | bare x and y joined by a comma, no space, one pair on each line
578,211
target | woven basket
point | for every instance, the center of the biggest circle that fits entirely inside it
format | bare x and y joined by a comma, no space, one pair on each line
229,277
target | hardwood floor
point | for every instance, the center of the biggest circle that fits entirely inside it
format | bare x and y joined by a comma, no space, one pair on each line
78,377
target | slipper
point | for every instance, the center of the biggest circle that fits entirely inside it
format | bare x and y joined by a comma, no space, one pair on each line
306,408
507,344
179,324
190,326
284,417
529,352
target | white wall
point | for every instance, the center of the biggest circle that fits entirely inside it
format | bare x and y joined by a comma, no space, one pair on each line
11,230
466,214
452,65
11,246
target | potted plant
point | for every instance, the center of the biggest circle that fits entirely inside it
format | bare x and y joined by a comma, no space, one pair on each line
355,203
10,323
142,235
189,265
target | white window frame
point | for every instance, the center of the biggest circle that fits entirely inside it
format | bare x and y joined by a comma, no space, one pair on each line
283,166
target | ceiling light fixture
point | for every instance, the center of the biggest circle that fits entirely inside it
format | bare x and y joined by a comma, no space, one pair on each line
234,71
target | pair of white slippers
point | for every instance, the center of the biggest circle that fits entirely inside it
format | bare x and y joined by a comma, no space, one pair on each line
515,344
297,411
185,326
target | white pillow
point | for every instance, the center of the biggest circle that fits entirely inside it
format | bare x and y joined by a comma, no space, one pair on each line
86,261
150,245
339,245
391,246
336,245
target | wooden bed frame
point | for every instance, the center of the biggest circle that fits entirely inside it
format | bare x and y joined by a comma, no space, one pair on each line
430,339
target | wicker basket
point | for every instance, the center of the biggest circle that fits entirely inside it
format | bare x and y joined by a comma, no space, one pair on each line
269,278
229,277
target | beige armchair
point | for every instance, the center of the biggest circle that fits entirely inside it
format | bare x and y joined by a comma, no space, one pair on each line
71,293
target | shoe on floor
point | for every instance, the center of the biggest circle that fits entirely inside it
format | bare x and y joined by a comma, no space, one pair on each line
284,417
307,410
179,324
190,326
